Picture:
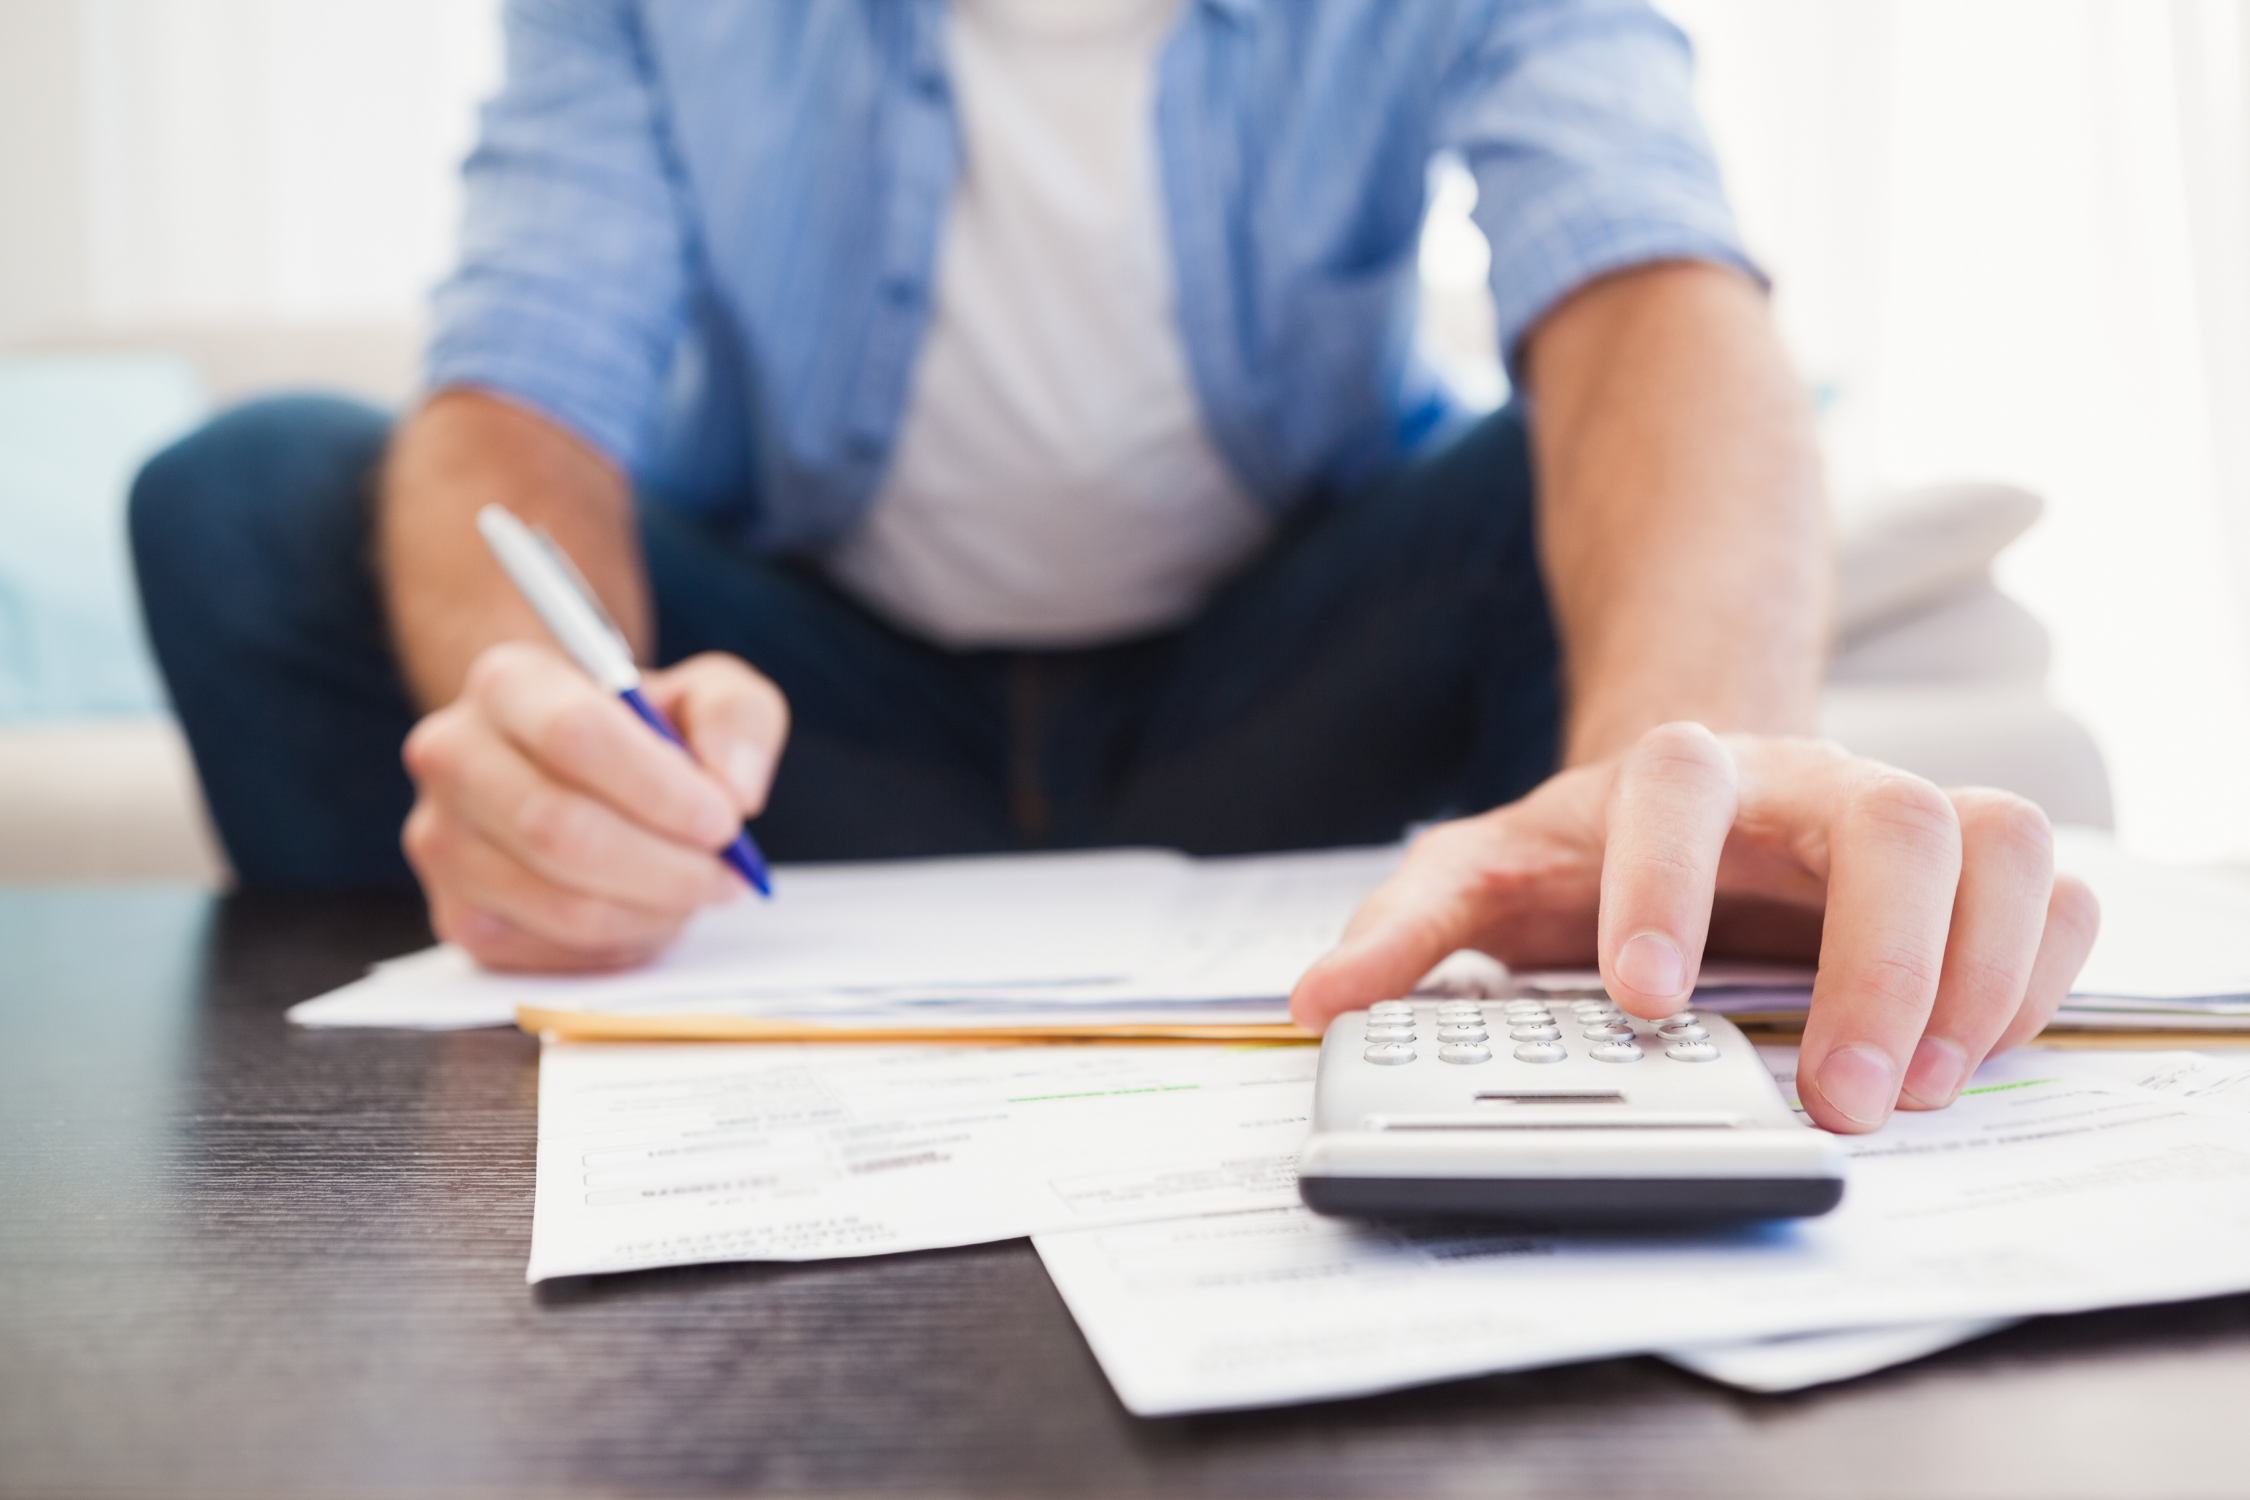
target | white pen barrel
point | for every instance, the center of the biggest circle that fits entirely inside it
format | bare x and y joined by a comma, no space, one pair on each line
555,597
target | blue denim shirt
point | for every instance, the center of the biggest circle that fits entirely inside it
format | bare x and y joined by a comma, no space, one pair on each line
702,233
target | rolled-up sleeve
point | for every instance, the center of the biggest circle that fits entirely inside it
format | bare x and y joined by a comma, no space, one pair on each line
1577,118
571,291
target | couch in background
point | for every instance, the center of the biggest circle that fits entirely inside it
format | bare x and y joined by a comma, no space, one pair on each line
1935,669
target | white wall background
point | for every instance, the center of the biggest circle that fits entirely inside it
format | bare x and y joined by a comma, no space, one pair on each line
2011,239
173,163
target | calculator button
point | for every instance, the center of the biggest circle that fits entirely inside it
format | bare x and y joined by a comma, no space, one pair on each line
1541,1052
1534,1034
1514,1006
1389,1034
1684,1034
1607,1031
1464,1052
1390,1054
1390,1008
1680,1022
1692,1052
1616,1052
1475,1033
1460,1018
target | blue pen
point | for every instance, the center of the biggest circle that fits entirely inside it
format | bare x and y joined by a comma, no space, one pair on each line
558,593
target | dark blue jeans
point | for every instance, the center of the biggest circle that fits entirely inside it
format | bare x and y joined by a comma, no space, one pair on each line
1388,659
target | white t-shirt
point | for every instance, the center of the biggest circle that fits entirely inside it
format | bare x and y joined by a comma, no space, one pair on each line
1053,484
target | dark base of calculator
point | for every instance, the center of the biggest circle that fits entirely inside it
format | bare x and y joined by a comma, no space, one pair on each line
1620,1202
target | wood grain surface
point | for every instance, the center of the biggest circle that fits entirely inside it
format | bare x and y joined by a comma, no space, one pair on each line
239,1259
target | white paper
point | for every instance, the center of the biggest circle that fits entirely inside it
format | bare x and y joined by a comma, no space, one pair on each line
1001,940
656,1154
2049,1187
1798,1361
2168,933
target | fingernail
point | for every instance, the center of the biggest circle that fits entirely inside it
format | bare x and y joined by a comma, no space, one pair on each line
1937,1072
1650,964
1859,1083
747,770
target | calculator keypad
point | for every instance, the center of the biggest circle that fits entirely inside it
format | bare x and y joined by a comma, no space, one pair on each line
1463,1033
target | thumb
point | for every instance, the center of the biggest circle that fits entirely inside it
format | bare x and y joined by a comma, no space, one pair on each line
1430,908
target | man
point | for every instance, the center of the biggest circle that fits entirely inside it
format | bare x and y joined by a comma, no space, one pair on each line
1024,435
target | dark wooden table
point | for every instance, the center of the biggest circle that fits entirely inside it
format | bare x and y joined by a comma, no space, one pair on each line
243,1260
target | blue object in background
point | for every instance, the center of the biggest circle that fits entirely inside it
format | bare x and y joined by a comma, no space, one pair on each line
74,429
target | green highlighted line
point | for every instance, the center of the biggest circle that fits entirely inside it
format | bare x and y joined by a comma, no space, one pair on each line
2001,1088
1170,1088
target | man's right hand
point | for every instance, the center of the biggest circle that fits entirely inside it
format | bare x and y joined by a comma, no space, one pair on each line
552,830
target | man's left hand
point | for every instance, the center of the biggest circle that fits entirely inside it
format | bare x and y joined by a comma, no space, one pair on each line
1941,930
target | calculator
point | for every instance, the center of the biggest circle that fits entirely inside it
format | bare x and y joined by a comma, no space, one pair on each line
1560,1109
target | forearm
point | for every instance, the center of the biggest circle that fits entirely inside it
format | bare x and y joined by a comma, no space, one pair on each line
447,599
1682,526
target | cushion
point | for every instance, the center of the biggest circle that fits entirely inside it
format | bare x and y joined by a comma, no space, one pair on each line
74,429
1900,551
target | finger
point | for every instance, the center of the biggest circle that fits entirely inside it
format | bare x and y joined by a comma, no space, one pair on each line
1894,861
496,943
1669,812
1999,912
2074,920
563,836
1431,907
734,718
471,871
585,738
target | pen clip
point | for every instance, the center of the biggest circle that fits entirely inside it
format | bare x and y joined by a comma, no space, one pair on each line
577,581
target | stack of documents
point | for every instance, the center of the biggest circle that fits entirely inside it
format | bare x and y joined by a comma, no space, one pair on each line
1157,1183
1117,942
1149,943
